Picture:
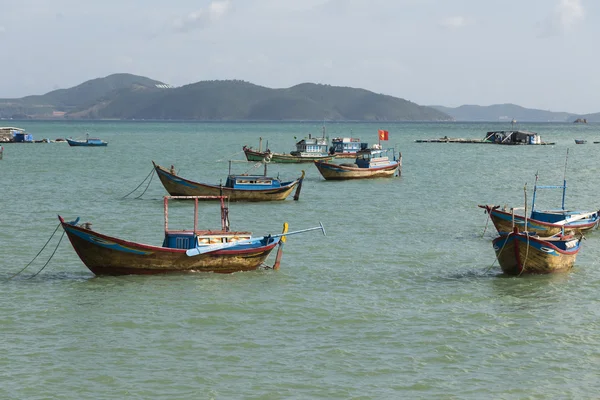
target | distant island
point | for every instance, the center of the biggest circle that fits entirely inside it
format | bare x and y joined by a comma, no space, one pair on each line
509,112
132,97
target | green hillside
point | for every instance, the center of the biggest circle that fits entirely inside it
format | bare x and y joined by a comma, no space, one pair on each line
125,96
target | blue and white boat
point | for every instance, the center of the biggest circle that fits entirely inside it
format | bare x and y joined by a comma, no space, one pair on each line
90,142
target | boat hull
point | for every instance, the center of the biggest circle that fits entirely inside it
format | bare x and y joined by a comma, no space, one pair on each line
252,155
503,221
105,255
340,172
83,143
177,186
518,254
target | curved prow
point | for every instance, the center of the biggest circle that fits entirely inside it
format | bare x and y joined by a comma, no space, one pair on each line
297,194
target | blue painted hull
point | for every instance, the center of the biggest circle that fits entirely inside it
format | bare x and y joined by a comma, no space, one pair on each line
86,143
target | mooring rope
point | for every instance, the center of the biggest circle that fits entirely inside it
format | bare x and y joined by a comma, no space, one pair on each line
40,252
229,157
147,186
140,185
255,166
486,223
51,255
499,253
526,255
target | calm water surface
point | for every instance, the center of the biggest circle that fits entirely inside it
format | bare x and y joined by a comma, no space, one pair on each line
401,299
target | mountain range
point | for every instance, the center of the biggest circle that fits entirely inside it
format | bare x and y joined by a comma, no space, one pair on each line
132,97
128,97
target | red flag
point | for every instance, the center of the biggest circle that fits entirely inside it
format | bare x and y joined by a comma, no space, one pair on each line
383,135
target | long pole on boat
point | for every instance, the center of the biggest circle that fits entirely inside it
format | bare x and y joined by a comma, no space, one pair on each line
534,191
525,191
565,180
210,248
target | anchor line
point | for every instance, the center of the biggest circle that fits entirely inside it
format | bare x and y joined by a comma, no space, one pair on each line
51,255
139,184
499,253
147,186
40,252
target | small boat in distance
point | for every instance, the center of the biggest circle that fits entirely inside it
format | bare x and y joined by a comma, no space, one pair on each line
580,141
370,163
220,251
87,142
307,150
525,253
240,187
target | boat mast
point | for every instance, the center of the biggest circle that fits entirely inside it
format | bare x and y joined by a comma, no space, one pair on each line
565,180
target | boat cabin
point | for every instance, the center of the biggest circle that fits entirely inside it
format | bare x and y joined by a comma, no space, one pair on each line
311,146
252,182
513,137
190,239
346,145
373,157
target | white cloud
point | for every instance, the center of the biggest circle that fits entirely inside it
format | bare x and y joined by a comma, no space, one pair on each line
569,12
201,18
566,15
454,22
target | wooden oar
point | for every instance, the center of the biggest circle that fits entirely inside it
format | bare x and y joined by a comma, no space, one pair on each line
574,218
215,247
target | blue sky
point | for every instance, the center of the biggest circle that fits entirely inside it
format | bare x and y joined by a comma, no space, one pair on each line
535,53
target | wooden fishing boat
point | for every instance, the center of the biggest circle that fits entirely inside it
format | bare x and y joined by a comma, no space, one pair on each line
525,253
369,163
505,220
307,151
544,222
237,187
221,251
90,142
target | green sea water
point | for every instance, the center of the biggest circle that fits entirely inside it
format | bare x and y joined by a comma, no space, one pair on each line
401,299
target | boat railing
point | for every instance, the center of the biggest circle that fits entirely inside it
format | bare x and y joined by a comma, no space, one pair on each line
224,211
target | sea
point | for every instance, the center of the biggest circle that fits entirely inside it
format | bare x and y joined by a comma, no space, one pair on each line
402,298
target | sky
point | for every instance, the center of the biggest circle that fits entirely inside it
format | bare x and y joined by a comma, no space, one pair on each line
534,53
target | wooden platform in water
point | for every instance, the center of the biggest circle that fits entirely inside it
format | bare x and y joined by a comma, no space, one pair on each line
450,140
477,141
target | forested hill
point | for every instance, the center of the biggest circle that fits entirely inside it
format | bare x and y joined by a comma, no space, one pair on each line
125,96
